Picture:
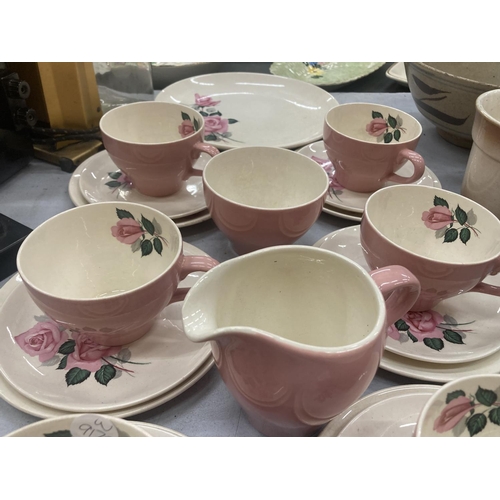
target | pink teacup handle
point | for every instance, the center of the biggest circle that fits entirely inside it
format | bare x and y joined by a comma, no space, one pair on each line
200,147
400,289
418,164
485,288
191,264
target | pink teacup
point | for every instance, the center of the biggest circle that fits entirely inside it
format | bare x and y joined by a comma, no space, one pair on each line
450,243
106,269
368,143
155,144
297,332
263,196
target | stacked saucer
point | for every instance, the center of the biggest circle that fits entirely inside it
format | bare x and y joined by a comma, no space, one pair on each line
347,204
147,373
98,179
457,338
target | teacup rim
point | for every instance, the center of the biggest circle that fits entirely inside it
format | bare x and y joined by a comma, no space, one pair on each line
111,297
365,141
308,161
154,103
412,253
482,110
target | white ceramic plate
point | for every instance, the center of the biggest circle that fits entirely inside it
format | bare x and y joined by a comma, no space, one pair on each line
254,109
325,74
78,200
397,72
157,430
343,214
471,319
390,412
352,201
98,182
145,369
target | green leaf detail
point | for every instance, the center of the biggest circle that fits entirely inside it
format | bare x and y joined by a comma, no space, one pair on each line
440,202
76,376
158,245
215,113
67,348
136,245
494,416
411,337
148,225
461,215
401,325
450,235
59,434
454,395
485,396
123,214
392,121
203,113
476,424
397,135
231,121
63,363
115,175
157,226
105,374
464,235
196,124
388,137
376,114
146,247
436,344
453,337
185,116
113,184
210,137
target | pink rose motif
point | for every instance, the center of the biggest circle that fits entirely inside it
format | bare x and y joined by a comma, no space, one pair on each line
186,128
328,168
437,217
124,179
127,231
215,124
423,324
204,101
43,340
377,127
452,413
87,354
393,332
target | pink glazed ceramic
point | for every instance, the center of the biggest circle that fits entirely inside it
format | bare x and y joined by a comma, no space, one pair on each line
367,143
106,269
297,332
263,196
449,242
155,144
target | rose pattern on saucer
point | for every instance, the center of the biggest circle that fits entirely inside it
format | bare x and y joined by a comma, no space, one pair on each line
130,231
334,187
75,352
118,181
385,129
429,327
188,126
441,218
473,408
216,127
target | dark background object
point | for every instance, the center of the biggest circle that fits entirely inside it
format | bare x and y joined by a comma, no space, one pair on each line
12,234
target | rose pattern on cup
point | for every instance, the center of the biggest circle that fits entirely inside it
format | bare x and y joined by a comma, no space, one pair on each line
118,181
429,327
144,235
441,218
334,187
385,129
188,127
75,352
216,127
473,408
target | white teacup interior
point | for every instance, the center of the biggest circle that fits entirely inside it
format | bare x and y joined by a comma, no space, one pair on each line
489,104
266,177
373,123
315,298
75,255
147,122
434,223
